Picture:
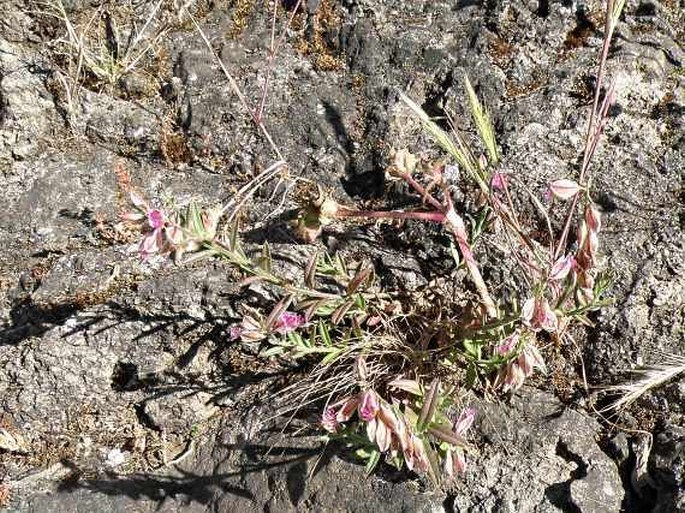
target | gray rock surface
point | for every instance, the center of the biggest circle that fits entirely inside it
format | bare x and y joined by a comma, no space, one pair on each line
120,378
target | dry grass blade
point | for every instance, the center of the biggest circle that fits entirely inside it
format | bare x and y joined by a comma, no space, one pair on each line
482,120
459,151
648,377
233,206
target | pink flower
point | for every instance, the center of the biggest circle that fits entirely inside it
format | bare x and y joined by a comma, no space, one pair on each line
537,314
249,330
415,454
562,267
288,321
235,333
588,238
156,219
459,460
593,218
531,359
564,189
498,181
508,345
347,409
368,405
455,460
510,377
334,415
586,286
464,422
329,420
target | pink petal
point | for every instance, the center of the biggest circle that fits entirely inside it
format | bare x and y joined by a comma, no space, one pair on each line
156,218
547,319
347,409
383,436
562,267
498,181
564,189
138,201
388,417
593,218
534,357
368,405
329,421
289,321
235,333
149,244
448,467
459,460
465,421
508,344
527,311
132,216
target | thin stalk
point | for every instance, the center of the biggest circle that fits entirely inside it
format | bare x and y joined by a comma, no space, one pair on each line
458,228
609,26
236,89
437,217
273,50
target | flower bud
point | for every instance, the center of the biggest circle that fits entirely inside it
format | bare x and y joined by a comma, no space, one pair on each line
368,405
465,420
498,181
593,218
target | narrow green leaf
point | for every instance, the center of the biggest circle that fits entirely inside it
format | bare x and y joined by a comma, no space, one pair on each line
273,351
265,258
433,466
372,462
233,240
332,356
325,334
471,375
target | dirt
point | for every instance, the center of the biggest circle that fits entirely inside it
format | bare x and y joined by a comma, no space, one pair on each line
120,385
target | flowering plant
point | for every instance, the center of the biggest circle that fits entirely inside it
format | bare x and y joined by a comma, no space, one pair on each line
390,365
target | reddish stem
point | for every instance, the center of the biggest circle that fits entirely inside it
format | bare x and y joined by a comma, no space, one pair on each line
436,217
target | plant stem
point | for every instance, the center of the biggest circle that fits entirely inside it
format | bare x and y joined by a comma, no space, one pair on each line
437,217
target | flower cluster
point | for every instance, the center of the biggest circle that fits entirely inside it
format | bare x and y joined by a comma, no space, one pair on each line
253,329
160,235
512,375
165,234
390,429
